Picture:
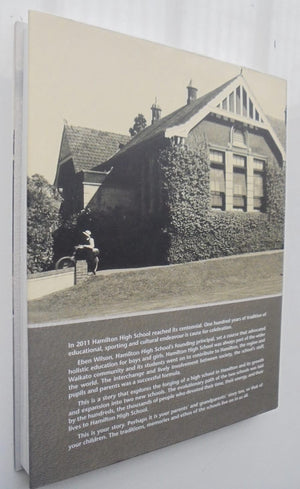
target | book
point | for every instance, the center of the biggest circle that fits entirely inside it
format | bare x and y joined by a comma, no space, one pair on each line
150,309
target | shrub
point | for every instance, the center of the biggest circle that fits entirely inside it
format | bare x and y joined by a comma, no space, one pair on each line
195,231
43,218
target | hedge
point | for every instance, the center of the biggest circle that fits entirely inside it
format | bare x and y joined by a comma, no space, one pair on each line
186,229
195,231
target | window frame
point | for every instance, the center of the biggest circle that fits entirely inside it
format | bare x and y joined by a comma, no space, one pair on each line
248,199
262,173
239,197
237,143
217,165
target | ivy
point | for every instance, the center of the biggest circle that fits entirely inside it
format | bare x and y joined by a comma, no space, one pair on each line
195,231
43,218
186,228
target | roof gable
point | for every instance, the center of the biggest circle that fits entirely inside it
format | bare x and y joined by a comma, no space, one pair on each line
176,118
89,147
232,99
64,151
280,129
238,101
235,100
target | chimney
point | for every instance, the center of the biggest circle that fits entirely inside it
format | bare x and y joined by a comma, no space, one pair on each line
192,92
156,110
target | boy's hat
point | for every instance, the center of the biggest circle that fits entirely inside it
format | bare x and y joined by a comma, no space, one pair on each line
87,233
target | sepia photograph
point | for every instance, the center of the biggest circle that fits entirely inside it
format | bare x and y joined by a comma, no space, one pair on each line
156,177
149,329
150,278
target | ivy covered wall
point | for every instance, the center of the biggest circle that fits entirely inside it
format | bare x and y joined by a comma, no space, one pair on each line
194,230
182,226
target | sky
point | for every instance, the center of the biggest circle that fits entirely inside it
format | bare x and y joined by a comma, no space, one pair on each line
91,77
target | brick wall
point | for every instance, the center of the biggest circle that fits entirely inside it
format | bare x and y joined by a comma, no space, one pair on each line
217,132
81,271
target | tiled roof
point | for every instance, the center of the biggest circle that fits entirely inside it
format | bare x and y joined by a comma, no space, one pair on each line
279,128
179,116
183,114
90,147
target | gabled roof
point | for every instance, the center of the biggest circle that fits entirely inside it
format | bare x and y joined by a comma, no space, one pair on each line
178,117
89,147
245,109
280,129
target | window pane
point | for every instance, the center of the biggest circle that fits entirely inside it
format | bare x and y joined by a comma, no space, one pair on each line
258,184
239,202
231,102
258,181
258,164
250,108
217,179
216,156
238,100
239,183
244,103
258,203
239,161
218,200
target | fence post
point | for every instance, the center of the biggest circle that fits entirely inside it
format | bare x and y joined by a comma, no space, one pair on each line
80,271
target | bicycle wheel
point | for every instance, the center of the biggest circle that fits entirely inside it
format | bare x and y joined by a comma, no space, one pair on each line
65,262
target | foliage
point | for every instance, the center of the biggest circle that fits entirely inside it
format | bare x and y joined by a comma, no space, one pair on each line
123,240
43,204
275,194
197,232
186,228
160,287
139,124
67,236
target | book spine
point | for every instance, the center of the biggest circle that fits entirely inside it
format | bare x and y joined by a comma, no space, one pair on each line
19,312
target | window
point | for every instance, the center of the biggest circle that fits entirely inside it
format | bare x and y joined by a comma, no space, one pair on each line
241,104
250,108
258,185
238,100
238,137
245,103
239,183
231,102
217,179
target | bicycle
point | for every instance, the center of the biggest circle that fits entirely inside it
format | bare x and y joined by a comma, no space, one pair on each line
81,252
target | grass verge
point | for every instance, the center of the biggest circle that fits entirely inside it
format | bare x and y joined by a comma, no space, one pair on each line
128,291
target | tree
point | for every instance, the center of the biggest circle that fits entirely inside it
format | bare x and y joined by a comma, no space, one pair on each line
43,203
139,124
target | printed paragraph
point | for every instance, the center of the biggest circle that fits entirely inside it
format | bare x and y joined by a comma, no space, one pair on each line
122,384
